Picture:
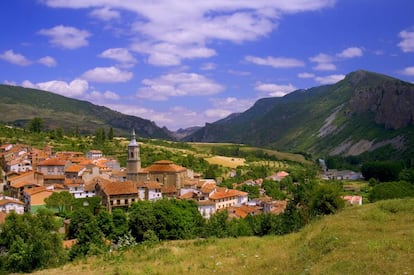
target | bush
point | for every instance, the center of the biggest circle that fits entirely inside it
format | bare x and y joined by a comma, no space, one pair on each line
391,190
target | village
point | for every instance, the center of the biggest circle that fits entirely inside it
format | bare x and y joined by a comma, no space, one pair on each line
31,175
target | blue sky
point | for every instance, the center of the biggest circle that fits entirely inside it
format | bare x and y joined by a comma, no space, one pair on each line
183,63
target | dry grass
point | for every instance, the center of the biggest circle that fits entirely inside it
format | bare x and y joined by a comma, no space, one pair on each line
226,161
372,239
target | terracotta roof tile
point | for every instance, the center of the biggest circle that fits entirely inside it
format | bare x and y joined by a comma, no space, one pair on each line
6,201
119,188
163,166
76,168
221,194
22,184
52,162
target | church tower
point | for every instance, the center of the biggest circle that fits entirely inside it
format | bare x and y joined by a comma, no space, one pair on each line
134,159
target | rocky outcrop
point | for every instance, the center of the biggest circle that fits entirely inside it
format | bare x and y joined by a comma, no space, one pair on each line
390,100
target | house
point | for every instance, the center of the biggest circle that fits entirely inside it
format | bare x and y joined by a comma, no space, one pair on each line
278,176
74,171
16,184
8,204
116,194
243,211
34,198
94,154
164,172
342,174
206,208
53,170
353,200
150,191
223,197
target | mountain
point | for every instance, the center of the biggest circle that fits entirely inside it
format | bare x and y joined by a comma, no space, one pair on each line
366,112
18,105
181,133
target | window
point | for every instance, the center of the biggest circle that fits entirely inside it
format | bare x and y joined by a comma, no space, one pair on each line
132,155
118,202
126,201
112,202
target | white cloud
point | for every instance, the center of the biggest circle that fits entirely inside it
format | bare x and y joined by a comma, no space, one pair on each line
191,28
47,61
98,96
105,14
66,37
170,54
217,113
275,62
306,75
107,75
329,79
323,62
178,84
75,88
407,43
325,67
15,58
208,66
274,89
408,71
121,55
351,52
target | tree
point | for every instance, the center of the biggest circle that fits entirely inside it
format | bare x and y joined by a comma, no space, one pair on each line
36,125
62,201
111,134
120,223
141,219
382,170
31,241
105,223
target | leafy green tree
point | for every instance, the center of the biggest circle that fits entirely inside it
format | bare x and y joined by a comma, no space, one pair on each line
217,225
407,175
141,219
62,201
326,199
391,190
105,223
31,242
120,223
177,219
36,125
111,134
382,170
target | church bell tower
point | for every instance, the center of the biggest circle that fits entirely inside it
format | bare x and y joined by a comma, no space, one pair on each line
134,159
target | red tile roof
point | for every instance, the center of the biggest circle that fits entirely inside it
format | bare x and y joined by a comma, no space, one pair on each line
7,201
119,188
52,162
74,168
163,166
221,194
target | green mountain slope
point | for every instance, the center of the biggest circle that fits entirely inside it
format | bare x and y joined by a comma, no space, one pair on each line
371,239
363,113
18,105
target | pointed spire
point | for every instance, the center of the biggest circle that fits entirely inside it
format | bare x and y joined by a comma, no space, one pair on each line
133,141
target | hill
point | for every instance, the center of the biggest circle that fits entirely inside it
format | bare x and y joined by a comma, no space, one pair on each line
364,113
371,239
19,105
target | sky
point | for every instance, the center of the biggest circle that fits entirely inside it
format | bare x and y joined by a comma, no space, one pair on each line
183,63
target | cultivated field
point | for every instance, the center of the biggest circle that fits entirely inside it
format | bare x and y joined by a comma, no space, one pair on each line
226,161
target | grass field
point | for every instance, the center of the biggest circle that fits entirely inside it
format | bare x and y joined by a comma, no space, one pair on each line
371,239
226,161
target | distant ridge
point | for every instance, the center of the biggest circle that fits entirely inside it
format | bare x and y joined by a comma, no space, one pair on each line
364,113
19,105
